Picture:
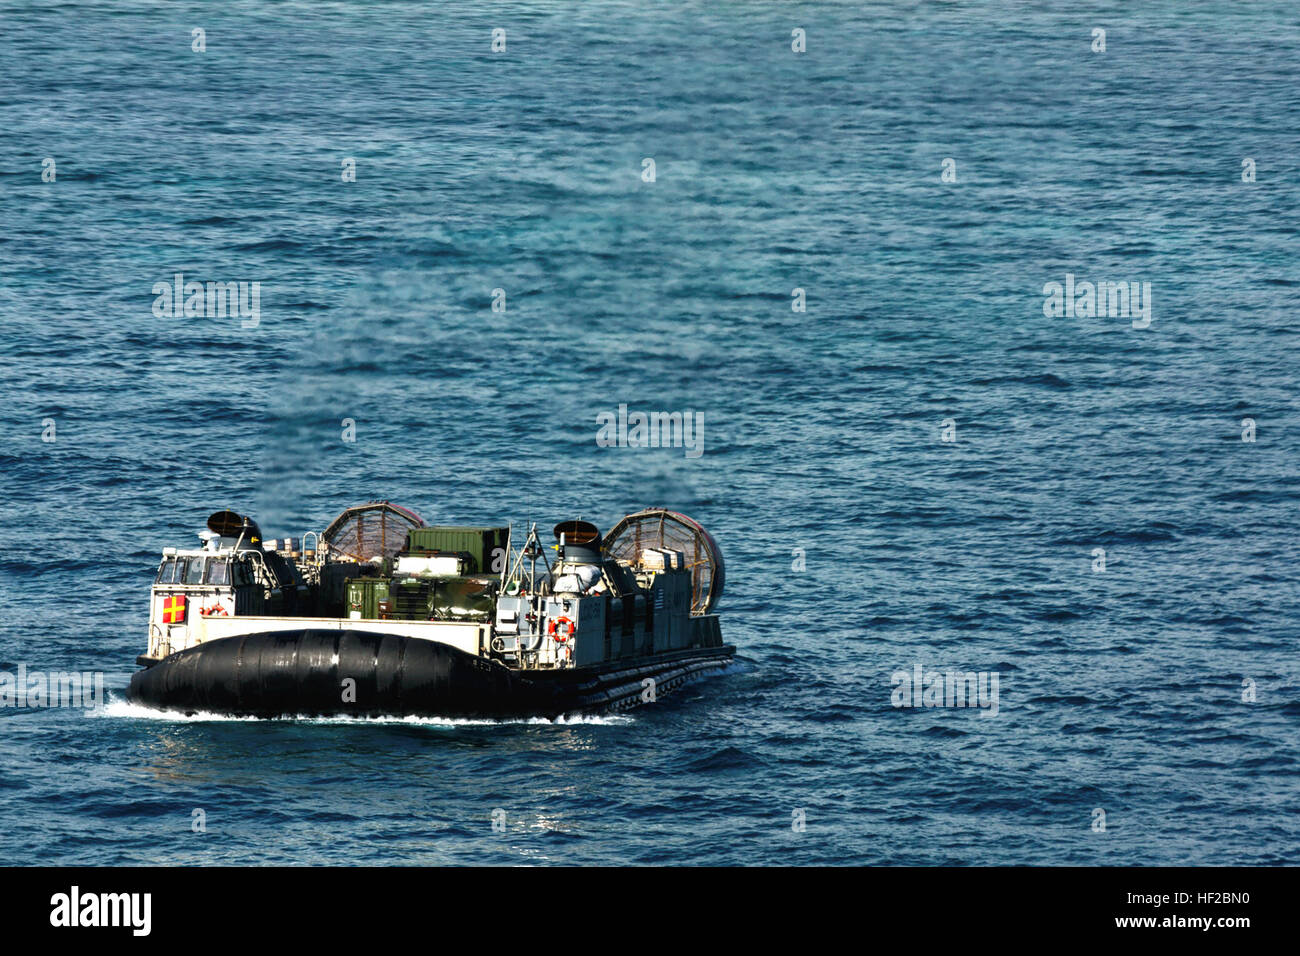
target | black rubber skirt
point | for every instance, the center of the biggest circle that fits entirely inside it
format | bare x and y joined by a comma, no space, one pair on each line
356,673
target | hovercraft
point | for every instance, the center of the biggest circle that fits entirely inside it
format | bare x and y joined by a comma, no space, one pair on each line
382,615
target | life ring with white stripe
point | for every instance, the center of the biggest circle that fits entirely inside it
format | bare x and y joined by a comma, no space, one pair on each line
557,629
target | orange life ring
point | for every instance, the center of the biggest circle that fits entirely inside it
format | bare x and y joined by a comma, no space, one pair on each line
216,609
556,625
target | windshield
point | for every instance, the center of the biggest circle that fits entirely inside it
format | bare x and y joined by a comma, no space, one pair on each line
194,572
171,571
217,572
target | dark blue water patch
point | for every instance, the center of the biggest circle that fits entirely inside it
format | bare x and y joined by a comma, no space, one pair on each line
210,221
946,733
1046,380
728,759
116,807
1074,700
834,713
1086,730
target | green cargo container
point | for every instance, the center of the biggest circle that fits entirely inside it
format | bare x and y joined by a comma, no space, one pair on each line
364,595
483,545
462,599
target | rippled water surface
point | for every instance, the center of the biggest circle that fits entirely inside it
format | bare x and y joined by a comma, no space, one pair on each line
1120,691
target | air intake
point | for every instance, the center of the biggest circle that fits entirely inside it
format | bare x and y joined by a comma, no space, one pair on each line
582,543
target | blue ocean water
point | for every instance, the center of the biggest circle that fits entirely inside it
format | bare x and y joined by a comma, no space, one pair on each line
1125,690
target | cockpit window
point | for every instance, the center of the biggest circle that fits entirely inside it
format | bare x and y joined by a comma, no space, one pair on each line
172,571
217,572
194,573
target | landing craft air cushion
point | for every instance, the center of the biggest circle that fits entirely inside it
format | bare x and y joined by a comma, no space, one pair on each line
381,615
